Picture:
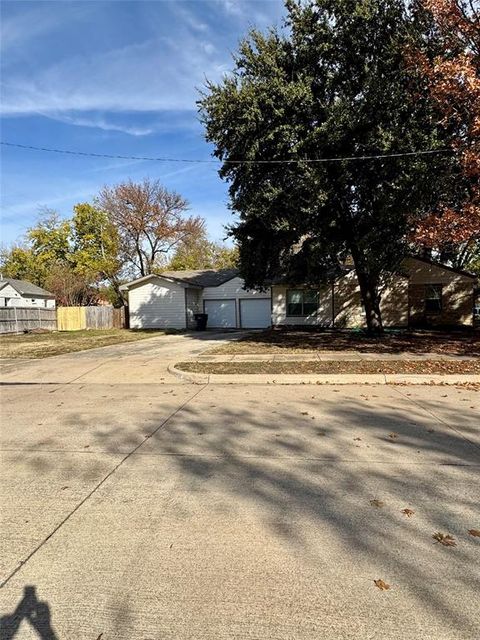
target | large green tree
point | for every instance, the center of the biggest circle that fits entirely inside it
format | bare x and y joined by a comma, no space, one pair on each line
332,84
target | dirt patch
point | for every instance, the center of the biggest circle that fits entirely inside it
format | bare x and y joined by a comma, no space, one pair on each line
34,345
299,340
424,367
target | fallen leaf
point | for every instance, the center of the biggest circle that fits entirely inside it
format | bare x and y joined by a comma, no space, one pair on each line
383,586
474,532
393,435
304,413
357,438
444,538
376,503
408,512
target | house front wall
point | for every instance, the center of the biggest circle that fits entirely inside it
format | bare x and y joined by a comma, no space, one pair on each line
234,290
9,297
457,294
348,308
322,318
341,305
157,304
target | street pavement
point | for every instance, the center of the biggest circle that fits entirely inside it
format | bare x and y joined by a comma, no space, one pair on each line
134,507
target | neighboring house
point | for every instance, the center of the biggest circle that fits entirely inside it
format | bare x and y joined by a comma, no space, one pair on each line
423,293
20,293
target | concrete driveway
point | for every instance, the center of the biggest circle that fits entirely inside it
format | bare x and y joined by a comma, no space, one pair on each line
154,510
143,361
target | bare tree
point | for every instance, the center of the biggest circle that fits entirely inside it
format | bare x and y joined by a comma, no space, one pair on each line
150,221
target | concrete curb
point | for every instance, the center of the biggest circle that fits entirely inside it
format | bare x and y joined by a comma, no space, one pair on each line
324,378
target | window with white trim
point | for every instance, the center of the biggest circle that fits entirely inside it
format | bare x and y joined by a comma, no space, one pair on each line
302,302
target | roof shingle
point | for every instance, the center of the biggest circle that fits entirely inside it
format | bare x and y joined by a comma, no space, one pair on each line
25,288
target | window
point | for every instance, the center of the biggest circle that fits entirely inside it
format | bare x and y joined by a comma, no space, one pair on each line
302,302
433,298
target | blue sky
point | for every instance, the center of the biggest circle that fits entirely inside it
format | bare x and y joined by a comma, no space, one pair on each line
118,78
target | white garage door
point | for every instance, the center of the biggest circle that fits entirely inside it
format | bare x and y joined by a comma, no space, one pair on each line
255,313
221,313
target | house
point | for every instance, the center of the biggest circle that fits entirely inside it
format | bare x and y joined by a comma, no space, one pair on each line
20,293
174,297
421,293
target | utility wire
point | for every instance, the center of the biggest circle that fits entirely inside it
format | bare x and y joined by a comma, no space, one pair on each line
236,162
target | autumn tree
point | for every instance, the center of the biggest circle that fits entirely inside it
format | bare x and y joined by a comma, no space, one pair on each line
198,251
332,84
69,257
449,61
150,221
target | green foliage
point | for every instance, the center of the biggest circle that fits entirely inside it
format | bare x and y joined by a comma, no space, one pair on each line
20,263
332,84
197,251
95,243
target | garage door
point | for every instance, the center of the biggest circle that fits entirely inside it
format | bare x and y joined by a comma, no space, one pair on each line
221,313
255,313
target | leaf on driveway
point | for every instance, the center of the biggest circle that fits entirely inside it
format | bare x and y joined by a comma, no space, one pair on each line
408,512
393,435
474,532
381,584
444,538
377,503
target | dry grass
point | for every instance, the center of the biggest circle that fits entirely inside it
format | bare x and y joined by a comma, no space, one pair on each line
425,367
43,345
392,342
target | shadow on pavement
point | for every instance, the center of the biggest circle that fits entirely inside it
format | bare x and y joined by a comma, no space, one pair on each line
31,610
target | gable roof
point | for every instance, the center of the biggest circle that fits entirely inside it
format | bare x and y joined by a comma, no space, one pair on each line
201,278
444,266
25,288
204,277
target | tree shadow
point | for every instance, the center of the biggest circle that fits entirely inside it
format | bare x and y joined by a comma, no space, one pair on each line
307,464
464,342
32,611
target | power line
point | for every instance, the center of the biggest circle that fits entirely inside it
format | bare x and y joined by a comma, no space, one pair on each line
198,161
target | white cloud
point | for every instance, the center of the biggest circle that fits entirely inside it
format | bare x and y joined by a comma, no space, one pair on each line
155,75
99,122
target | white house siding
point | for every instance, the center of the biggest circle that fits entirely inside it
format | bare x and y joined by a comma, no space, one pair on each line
157,304
233,290
323,317
9,297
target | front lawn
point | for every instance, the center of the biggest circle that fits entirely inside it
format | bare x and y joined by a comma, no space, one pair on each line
42,345
286,340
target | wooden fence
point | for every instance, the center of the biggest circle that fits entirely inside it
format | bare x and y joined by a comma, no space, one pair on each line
76,318
19,319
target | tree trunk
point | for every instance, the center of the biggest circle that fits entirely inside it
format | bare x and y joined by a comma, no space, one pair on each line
370,298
